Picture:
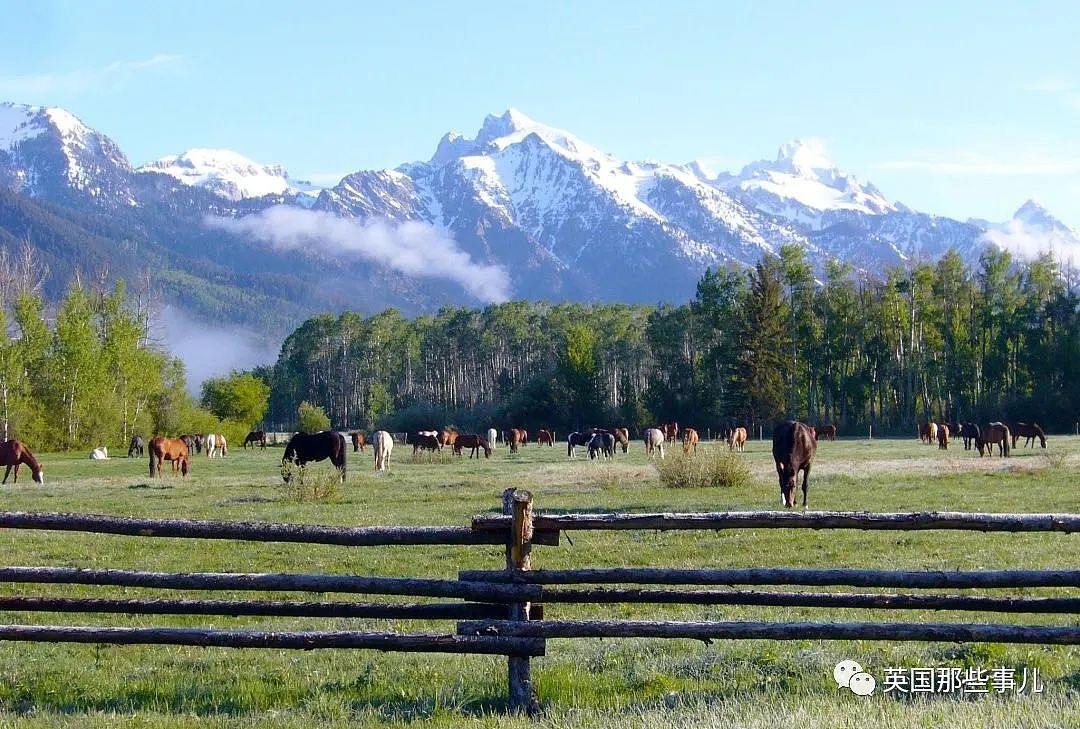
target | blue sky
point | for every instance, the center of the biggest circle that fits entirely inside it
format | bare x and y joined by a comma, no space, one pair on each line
964,109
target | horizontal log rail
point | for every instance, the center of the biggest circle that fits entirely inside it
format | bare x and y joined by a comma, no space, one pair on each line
425,587
301,640
296,609
904,521
882,601
260,531
781,576
950,632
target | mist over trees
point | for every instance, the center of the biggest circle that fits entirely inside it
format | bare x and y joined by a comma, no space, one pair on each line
934,341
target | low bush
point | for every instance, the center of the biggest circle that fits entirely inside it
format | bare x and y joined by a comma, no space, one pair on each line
711,467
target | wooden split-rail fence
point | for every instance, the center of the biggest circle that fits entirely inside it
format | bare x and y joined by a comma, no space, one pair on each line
502,611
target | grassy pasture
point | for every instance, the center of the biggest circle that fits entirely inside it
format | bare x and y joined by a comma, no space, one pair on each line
629,683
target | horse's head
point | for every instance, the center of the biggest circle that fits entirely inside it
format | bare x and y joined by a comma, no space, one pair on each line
39,474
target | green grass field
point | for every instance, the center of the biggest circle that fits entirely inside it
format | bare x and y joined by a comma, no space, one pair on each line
617,683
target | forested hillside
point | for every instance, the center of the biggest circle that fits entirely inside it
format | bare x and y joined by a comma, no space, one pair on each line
933,341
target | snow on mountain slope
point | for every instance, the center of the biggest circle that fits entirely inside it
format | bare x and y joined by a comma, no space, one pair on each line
1032,231
49,152
228,174
803,186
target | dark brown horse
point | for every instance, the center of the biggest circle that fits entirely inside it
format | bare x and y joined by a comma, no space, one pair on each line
194,442
306,447
255,436
671,432
793,449
825,431
15,453
358,441
474,443
994,433
169,449
517,437
1030,431
137,446
971,435
545,436
943,437
622,437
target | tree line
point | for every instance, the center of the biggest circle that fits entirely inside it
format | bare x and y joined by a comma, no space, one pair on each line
937,341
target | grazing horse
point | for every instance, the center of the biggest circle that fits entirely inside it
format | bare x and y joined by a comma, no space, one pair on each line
425,441
928,433
518,437
169,449
994,433
216,447
545,436
671,432
193,442
603,443
737,439
689,440
576,440
359,440
383,444
255,436
825,431
793,448
971,435
306,447
1030,432
492,437
474,443
654,442
15,453
943,437
137,446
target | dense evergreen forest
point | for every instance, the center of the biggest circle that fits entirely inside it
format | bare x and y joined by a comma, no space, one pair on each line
937,341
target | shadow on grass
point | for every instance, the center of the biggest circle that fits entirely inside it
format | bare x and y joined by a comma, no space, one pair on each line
151,486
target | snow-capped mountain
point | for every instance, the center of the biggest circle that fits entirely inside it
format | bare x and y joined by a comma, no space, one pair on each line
1032,231
48,152
229,174
803,186
563,218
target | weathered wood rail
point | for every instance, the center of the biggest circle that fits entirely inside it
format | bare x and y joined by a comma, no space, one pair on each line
501,611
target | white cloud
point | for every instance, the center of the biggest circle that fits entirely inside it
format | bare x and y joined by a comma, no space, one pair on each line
413,248
1029,242
81,80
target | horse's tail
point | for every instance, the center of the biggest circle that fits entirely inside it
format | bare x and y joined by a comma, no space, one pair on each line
1006,428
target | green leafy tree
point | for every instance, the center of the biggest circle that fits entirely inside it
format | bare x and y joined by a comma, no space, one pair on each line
311,418
241,397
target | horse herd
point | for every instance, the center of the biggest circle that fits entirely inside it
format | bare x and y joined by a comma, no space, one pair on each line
983,438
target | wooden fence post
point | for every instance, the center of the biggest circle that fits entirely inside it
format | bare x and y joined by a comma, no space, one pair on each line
518,504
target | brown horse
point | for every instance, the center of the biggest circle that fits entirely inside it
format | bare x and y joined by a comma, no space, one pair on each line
689,440
943,437
169,449
825,431
15,453
545,436
447,436
622,437
255,436
1030,432
737,439
671,432
793,448
518,437
474,443
358,441
994,433
928,433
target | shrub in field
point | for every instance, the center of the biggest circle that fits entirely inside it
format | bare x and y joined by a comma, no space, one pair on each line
311,418
314,484
712,467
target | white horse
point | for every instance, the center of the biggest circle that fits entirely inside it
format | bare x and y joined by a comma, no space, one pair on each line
100,454
654,442
382,444
215,445
492,436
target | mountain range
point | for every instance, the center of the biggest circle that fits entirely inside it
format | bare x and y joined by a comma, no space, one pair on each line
519,210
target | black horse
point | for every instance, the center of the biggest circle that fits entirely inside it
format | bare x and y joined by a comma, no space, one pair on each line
255,436
136,447
971,435
306,447
193,441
